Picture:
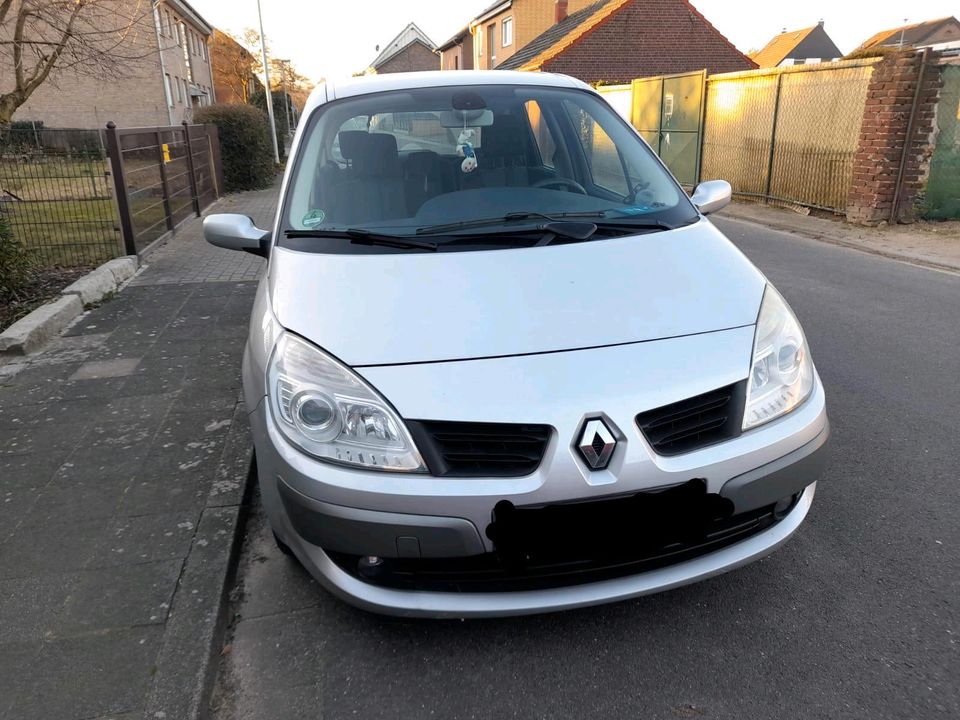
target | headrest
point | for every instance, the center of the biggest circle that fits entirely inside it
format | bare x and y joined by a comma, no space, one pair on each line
370,152
359,143
505,138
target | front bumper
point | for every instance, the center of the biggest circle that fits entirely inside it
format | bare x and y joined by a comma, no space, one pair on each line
484,604
308,506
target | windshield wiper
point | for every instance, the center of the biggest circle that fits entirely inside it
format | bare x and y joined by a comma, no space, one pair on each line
358,236
509,217
633,225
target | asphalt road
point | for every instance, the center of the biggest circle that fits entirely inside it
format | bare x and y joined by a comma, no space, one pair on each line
858,616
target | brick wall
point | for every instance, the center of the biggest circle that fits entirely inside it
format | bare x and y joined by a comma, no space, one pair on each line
883,138
649,37
413,58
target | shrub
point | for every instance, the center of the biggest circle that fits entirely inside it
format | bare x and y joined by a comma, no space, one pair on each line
259,99
880,51
16,263
245,147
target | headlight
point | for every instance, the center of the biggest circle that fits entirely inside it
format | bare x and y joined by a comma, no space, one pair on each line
781,375
329,412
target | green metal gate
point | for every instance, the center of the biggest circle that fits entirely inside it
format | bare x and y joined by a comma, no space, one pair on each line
668,113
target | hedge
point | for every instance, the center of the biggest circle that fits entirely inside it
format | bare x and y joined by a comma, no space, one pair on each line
245,146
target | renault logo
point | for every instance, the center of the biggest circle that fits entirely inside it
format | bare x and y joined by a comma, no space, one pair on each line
596,444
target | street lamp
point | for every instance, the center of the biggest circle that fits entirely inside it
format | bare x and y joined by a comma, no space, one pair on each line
266,77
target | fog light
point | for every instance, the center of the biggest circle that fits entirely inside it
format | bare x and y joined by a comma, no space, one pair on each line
369,566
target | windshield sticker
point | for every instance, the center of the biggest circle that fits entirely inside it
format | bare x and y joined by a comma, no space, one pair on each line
313,218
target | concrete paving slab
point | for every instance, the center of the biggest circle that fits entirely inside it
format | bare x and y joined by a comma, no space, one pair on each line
116,598
146,538
99,369
42,549
92,676
29,605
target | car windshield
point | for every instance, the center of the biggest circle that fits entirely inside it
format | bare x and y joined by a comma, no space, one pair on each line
415,162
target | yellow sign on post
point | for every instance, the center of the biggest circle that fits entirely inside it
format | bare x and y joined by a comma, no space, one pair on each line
166,153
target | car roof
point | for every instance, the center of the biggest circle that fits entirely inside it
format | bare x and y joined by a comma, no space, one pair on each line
364,85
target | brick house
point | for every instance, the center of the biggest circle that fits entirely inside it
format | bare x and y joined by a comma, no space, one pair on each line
231,64
798,47
410,51
166,75
939,34
457,52
615,41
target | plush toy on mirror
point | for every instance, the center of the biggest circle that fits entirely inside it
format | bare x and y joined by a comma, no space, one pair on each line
465,150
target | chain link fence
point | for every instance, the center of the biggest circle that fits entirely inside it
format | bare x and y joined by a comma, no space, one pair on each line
55,192
787,134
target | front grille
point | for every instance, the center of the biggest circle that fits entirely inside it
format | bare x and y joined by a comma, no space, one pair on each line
491,573
466,449
696,422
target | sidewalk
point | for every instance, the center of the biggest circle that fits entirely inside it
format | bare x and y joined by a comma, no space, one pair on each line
123,459
932,244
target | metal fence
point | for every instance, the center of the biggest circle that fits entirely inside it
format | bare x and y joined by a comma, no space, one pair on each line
162,176
787,134
942,200
55,191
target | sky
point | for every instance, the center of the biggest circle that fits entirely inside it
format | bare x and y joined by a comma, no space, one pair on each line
335,38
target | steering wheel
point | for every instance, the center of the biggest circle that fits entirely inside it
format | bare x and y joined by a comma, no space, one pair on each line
561,182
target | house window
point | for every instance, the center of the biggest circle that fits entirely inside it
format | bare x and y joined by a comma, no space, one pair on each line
166,87
456,62
506,32
491,44
176,85
480,41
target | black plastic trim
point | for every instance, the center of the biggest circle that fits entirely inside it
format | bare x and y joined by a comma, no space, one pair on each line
473,449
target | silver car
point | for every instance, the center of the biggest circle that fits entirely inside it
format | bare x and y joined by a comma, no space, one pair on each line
500,363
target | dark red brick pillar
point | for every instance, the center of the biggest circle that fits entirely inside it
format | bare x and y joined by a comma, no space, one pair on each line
876,164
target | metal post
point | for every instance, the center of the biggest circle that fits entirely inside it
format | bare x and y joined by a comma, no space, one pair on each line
163,180
908,140
773,138
286,102
266,77
213,147
194,195
115,154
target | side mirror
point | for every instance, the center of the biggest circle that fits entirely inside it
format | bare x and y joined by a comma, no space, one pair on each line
712,195
236,232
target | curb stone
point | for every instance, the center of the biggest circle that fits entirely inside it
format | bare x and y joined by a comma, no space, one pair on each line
30,333
93,286
123,268
187,665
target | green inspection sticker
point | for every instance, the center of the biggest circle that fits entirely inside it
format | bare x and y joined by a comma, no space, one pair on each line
313,218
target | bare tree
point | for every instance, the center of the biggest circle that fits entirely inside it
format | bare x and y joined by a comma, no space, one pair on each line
234,64
40,39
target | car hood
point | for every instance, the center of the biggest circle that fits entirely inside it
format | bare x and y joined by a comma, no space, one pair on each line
398,308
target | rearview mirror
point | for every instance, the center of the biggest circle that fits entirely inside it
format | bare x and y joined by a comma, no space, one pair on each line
236,232
470,118
712,195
